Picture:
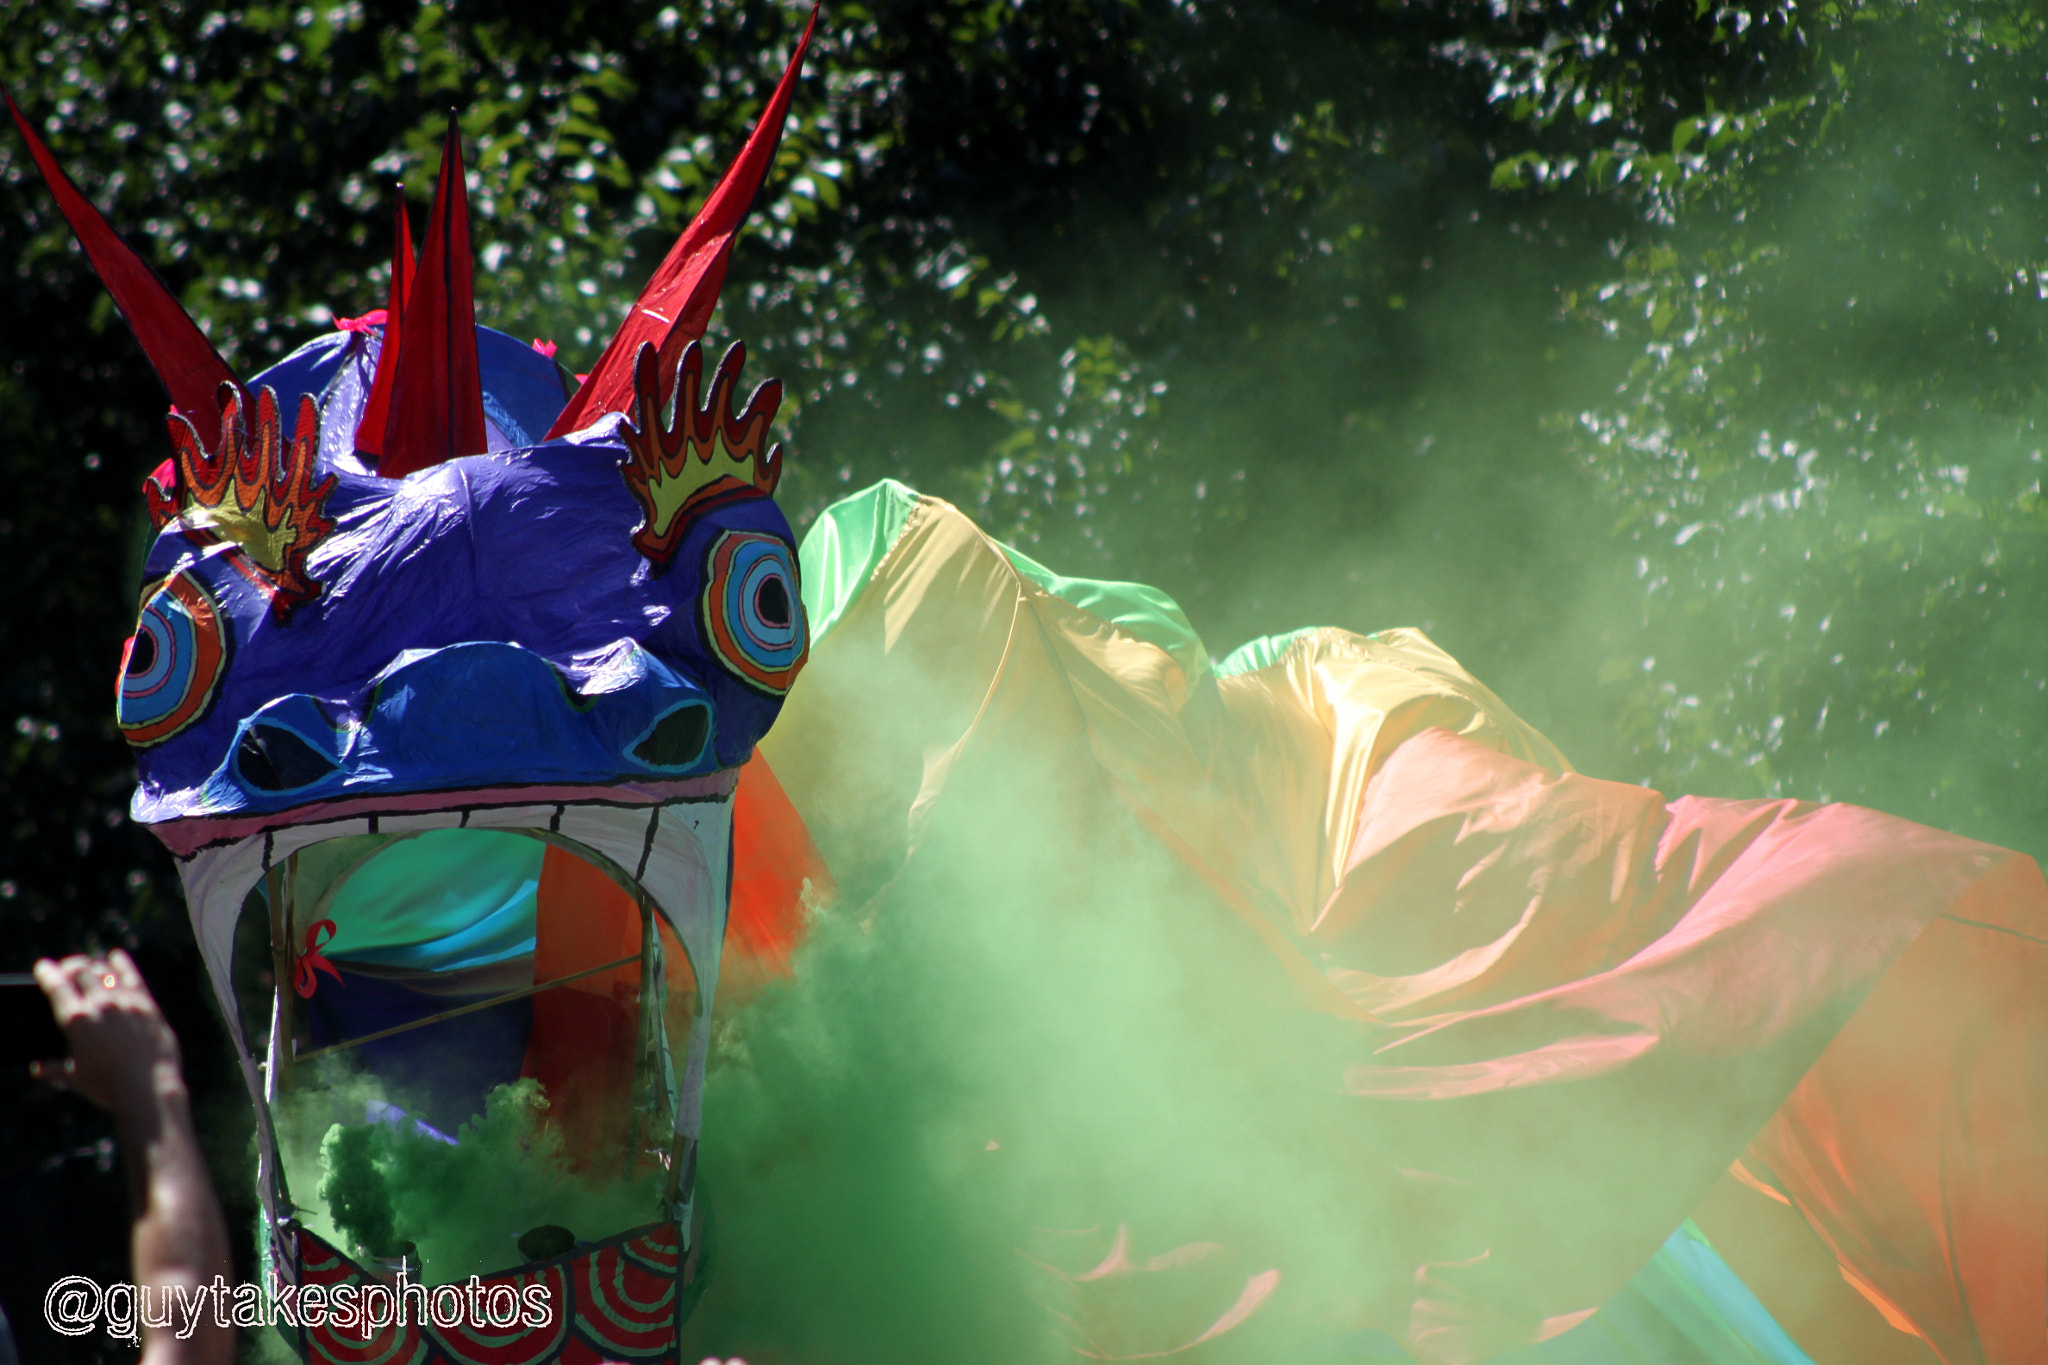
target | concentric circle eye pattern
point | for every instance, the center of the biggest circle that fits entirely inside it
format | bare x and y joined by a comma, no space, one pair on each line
173,663
753,617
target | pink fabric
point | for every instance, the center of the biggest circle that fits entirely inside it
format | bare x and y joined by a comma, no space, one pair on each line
1597,1000
1128,1305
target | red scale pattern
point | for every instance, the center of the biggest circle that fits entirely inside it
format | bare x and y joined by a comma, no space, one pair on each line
626,1294
615,1302
321,1264
466,1344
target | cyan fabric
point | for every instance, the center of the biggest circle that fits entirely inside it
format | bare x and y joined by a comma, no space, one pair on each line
1264,652
1686,1307
440,901
840,551
1695,1288
851,538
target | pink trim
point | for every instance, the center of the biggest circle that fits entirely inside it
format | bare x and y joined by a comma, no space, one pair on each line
186,837
376,317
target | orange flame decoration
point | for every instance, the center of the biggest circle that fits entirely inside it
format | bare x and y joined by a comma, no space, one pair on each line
706,457
256,493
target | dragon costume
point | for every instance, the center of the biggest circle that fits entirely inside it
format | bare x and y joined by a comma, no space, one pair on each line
451,692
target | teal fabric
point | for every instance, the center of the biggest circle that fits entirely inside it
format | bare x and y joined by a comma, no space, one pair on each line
440,901
1133,608
1686,1307
850,539
1263,652
845,545
1694,1287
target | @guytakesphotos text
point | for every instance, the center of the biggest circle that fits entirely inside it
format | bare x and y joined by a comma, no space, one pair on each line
78,1305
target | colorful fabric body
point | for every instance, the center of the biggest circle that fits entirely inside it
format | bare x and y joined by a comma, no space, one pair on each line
1570,1005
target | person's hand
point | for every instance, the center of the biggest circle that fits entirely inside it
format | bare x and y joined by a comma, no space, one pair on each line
122,1050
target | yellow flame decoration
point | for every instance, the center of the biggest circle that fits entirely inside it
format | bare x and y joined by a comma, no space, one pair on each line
704,455
257,492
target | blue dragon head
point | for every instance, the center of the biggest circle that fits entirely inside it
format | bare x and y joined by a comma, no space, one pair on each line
444,671
614,609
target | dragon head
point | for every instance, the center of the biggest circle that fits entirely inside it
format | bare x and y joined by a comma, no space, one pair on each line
444,671
317,640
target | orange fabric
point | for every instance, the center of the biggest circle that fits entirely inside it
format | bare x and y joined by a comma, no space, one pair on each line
1917,1146
1742,1175
584,918
1761,1237
584,1033
774,866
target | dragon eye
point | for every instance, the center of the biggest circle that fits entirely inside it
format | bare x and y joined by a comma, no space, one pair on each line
753,618
173,662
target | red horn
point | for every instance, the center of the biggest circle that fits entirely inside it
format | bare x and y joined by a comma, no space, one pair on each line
191,370
377,407
675,307
437,395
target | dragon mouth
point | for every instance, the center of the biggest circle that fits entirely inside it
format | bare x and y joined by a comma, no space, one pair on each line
377,977
189,837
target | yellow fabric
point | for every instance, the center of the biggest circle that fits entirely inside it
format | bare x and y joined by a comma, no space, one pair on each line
1556,1008
1258,775
1311,730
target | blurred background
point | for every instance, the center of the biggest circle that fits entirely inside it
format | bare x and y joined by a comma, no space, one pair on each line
1671,363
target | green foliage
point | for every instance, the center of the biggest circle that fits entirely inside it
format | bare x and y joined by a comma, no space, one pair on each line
1826,451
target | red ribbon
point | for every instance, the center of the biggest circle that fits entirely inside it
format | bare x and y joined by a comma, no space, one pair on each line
376,317
304,982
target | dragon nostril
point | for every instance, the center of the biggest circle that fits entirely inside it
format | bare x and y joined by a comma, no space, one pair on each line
677,741
274,759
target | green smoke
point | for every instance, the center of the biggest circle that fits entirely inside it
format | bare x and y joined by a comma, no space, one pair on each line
461,1207
357,1194
1037,1031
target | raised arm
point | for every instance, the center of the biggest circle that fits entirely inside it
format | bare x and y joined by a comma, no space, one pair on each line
125,1059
